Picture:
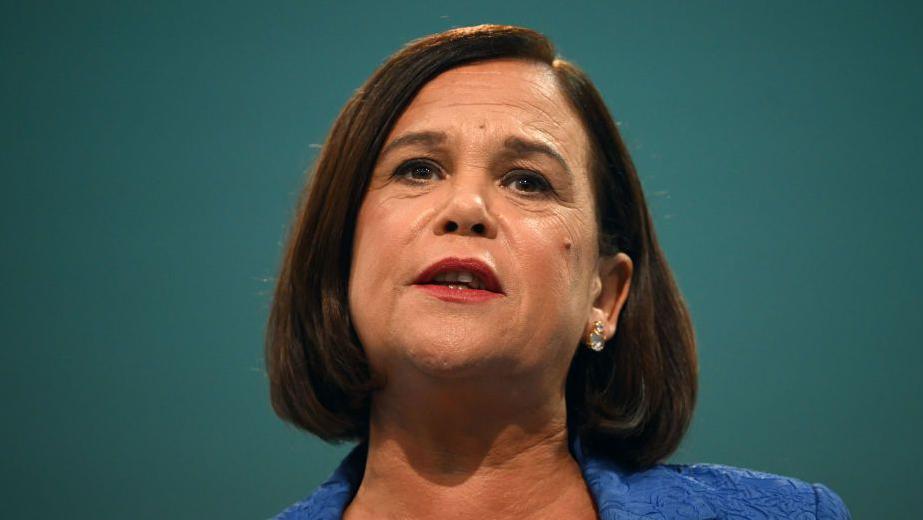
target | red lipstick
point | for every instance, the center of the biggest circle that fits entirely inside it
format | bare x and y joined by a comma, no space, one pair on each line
446,281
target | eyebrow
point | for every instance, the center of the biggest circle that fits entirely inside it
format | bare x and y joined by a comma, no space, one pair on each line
515,144
428,138
529,147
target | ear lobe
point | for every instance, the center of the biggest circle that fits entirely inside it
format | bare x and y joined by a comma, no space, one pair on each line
614,275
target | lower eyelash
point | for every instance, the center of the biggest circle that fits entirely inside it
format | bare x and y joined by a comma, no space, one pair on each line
407,167
545,188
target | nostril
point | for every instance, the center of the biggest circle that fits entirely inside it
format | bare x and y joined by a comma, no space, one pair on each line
450,227
479,229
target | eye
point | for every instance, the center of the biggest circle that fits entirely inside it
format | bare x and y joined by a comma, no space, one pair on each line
417,171
525,181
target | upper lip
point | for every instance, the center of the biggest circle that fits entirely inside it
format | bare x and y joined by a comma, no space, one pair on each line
474,266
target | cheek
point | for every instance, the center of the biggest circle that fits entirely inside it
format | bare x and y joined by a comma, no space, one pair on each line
555,255
382,245
373,242
384,228
559,248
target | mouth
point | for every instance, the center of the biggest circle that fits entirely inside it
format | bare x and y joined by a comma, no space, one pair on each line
460,280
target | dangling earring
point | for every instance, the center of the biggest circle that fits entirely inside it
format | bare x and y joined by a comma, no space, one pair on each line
595,340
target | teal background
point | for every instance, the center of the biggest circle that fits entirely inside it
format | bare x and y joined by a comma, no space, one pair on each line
152,153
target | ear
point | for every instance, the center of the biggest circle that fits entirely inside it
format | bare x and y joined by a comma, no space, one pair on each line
612,283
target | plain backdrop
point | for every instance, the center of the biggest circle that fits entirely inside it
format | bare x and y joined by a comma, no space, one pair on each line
152,154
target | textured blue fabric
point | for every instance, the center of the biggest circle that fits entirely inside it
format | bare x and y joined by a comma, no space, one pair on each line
665,491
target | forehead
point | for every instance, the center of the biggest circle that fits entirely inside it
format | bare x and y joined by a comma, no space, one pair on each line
505,96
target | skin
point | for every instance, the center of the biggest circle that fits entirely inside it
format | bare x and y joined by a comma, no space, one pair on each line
471,421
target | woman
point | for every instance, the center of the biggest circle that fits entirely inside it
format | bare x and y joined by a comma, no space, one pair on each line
473,290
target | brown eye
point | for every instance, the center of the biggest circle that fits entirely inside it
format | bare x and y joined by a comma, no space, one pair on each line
416,171
527,182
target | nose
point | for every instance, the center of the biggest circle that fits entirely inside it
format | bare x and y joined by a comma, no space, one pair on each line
466,213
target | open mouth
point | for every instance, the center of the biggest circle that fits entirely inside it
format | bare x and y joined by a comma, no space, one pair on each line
458,279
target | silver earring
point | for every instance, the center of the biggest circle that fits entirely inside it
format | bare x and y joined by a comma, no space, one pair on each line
596,340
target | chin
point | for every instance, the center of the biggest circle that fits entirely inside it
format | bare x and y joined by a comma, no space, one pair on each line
448,364
458,355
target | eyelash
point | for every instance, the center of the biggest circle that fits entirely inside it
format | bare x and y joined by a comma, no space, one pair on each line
544,187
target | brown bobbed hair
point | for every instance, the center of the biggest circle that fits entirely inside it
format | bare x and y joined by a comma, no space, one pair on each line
633,401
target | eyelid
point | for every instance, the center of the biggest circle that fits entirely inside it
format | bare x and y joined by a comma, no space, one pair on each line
548,189
418,161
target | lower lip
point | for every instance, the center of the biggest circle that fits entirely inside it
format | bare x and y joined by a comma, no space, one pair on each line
449,294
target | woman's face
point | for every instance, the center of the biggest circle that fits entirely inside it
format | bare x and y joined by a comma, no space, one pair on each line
487,172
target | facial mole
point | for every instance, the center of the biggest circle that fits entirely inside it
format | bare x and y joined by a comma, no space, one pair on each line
568,244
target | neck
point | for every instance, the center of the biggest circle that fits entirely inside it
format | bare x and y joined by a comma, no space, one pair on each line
467,450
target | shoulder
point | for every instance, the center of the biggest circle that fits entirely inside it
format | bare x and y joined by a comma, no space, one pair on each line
326,503
751,492
712,491
329,501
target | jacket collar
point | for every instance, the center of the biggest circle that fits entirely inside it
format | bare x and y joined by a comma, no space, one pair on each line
608,481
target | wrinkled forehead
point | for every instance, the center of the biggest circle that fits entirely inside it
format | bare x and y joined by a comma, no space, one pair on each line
500,78
502,97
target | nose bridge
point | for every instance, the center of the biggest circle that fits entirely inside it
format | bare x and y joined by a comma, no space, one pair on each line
469,187
467,208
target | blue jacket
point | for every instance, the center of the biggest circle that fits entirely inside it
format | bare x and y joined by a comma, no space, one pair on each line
665,491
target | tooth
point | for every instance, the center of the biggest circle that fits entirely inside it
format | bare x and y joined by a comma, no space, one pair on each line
465,277
451,276
439,277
